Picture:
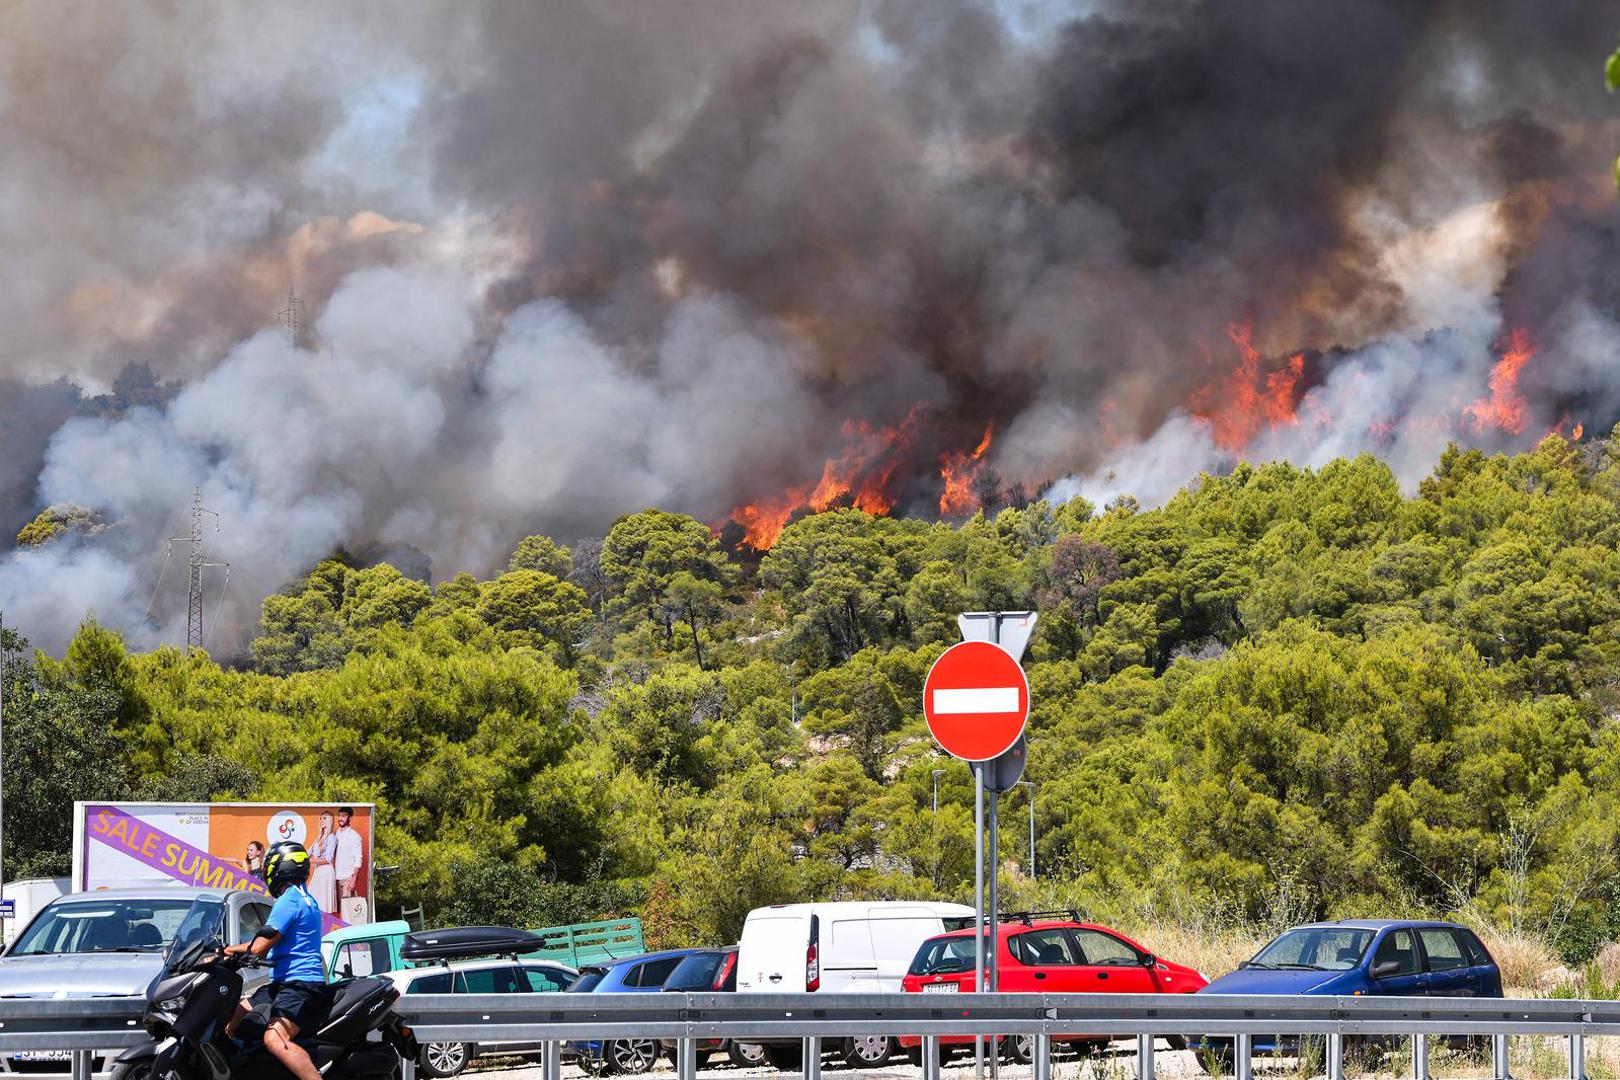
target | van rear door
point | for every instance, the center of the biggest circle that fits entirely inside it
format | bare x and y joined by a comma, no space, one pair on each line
771,955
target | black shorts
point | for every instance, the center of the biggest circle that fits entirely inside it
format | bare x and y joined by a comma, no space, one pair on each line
304,1003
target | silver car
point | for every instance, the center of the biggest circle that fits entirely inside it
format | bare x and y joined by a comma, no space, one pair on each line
110,944
505,976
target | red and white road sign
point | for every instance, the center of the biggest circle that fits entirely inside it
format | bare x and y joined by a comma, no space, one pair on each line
976,699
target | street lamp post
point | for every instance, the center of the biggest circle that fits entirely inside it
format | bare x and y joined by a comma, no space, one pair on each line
1031,785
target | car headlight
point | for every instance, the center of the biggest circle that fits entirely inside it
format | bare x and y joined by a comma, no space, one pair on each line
1201,975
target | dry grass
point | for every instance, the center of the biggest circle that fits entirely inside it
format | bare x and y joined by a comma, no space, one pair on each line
1529,967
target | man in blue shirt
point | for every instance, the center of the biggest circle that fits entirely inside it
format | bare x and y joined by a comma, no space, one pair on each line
292,937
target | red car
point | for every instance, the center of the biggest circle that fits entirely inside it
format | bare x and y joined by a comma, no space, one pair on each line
1046,956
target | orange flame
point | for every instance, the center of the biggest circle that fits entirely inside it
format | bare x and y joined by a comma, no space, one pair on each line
1247,399
1505,408
1580,429
959,470
858,475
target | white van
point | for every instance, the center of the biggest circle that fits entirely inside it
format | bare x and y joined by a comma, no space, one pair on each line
27,897
852,947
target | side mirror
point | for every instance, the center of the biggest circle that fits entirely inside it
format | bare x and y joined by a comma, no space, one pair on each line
1147,959
1242,964
1385,968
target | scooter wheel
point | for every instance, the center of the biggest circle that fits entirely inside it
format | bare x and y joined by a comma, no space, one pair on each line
133,1070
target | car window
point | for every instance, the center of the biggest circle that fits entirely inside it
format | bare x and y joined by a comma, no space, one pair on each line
587,981
102,926
492,980
1445,952
431,984
653,972
1477,954
696,972
1322,948
544,980
357,958
947,955
1104,950
1043,947
253,916
1399,947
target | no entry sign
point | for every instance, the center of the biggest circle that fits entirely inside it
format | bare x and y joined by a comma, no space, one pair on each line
976,699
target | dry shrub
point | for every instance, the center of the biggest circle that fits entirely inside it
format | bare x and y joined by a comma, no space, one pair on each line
1525,960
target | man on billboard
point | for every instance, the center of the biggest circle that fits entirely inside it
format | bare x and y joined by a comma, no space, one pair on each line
348,857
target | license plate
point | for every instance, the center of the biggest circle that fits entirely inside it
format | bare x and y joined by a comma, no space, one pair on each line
941,988
43,1055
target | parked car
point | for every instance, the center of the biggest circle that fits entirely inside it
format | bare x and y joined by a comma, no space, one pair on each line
1039,954
711,971
1402,958
110,944
847,947
644,974
498,976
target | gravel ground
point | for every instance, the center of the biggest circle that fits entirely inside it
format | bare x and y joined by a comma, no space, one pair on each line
1118,1064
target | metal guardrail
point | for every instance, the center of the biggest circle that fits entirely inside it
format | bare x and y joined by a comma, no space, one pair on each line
84,1024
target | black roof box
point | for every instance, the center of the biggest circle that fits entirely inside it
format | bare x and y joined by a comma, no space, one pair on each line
465,942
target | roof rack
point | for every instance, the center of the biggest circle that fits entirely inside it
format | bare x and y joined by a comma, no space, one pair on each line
1028,917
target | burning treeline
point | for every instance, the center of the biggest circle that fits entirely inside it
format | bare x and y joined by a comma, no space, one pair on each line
752,258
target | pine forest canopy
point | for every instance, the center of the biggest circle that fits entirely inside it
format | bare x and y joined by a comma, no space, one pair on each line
1284,683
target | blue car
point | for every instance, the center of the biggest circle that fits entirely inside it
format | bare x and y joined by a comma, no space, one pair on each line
1395,957
644,974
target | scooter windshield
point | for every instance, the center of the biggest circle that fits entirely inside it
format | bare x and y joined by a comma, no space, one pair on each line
203,928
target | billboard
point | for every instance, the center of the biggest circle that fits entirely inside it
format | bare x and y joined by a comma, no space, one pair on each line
222,845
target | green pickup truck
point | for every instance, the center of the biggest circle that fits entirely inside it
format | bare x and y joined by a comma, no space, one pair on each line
372,948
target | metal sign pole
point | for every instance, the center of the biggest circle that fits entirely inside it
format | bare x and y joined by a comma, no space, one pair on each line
978,904
995,865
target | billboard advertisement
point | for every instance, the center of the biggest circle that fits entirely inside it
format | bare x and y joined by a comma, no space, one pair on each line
222,845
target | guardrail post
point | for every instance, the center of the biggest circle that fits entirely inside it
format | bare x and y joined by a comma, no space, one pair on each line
1144,1057
686,1059
1577,1057
1499,1058
81,1065
812,1057
1243,1057
1040,1053
407,1068
1335,1056
930,1057
551,1060
1420,1056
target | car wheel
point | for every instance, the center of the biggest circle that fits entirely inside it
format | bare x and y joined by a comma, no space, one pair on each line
631,1056
1019,1049
867,1051
745,1055
444,1059
785,1058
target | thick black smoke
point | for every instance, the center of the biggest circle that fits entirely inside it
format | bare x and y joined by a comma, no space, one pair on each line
562,261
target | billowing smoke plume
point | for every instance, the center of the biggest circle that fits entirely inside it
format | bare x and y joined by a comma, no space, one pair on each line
737,257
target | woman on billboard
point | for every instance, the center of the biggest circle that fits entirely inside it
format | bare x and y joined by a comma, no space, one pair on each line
322,874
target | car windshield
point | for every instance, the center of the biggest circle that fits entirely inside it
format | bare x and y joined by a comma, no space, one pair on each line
586,982
106,925
696,972
944,956
1315,948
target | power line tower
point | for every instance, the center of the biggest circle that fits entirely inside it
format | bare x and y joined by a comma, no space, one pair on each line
292,316
199,561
